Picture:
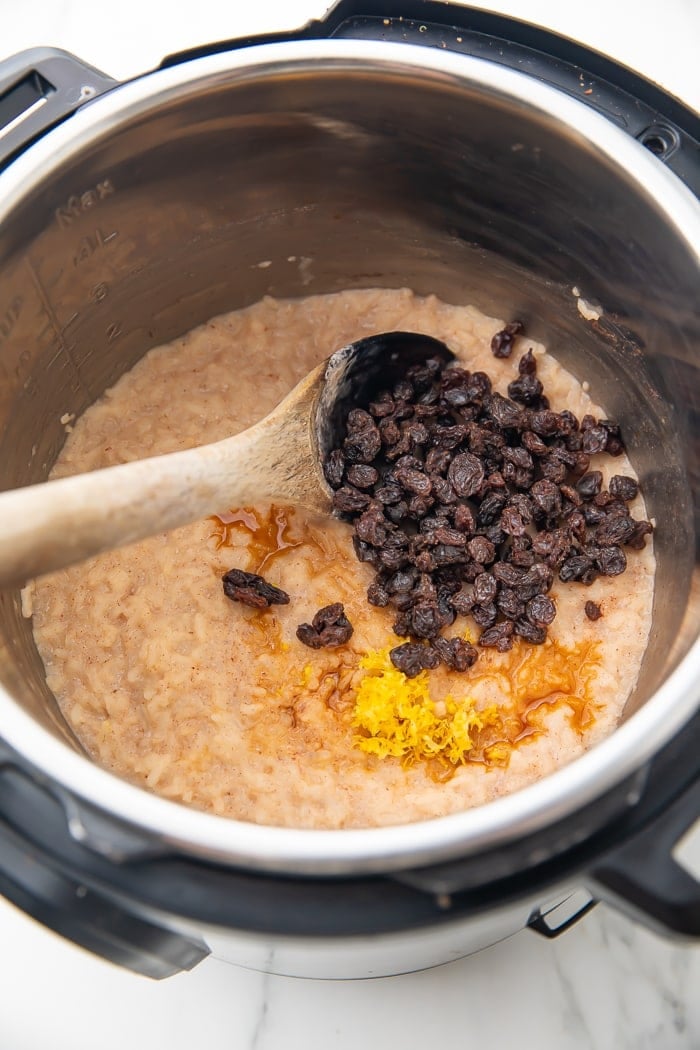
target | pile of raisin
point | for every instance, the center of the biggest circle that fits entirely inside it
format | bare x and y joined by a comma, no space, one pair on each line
466,502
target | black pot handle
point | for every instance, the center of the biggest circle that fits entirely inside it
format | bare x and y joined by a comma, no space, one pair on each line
643,877
67,898
38,89
669,129
41,87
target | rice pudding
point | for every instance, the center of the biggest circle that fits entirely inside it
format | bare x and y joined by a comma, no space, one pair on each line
207,702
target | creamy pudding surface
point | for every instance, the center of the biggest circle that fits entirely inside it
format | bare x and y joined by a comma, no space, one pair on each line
208,702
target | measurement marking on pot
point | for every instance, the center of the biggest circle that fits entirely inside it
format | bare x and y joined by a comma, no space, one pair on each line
92,243
56,326
99,292
8,370
10,317
79,203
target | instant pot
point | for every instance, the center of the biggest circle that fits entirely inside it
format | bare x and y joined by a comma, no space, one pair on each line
395,144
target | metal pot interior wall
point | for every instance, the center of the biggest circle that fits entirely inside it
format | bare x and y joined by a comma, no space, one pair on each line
314,178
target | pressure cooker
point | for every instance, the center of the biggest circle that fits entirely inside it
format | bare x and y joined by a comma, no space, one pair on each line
399,143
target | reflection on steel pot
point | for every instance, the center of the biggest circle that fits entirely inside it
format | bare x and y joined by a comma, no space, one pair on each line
150,210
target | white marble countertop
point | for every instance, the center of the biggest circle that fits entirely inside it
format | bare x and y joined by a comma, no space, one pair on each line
606,984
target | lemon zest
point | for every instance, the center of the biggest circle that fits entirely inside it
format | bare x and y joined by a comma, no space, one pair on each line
397,717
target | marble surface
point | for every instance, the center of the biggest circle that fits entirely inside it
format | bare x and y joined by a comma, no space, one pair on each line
606,984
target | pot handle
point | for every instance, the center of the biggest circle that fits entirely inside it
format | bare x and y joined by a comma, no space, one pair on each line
643,877
668,128
38,89
67,898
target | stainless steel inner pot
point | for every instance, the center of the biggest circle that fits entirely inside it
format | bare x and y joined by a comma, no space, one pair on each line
306,167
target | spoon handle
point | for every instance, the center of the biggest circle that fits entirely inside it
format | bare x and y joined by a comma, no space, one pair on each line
52,525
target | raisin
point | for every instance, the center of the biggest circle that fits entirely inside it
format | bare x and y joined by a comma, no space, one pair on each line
447,437
349,500
490,508
392,558
371,527
447,554
509,604
363,440
464,520
537,580
527,365
637,539
593,515
592,610
456,653
413,481
383,406
253,590
465,474
579,568
540,610
418,506
404,390
485,615
481,550
455,388
485,588
411,658
422,376
611,561
401,582
594,440
378,595
334,468
507,574
397,512
553,546
437,460
572,495
534,444
500,637
530,632
463,602
479,386
553,469
502,342
527,389
590,484
623,487
614,446
364,551
451,537
512,523
329,628
544,423
389,432
614,531
522,558
504,413
426,620
362,476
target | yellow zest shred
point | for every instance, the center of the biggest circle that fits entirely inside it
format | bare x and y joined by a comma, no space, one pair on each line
397,717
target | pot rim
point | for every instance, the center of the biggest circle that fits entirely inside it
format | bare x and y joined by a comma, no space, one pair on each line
494,824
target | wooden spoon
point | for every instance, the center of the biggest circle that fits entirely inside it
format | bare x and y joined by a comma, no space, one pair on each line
55,524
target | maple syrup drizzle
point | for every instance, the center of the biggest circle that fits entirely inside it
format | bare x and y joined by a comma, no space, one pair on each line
548,676
270,535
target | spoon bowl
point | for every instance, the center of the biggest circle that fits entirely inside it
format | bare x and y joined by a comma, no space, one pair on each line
58,523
